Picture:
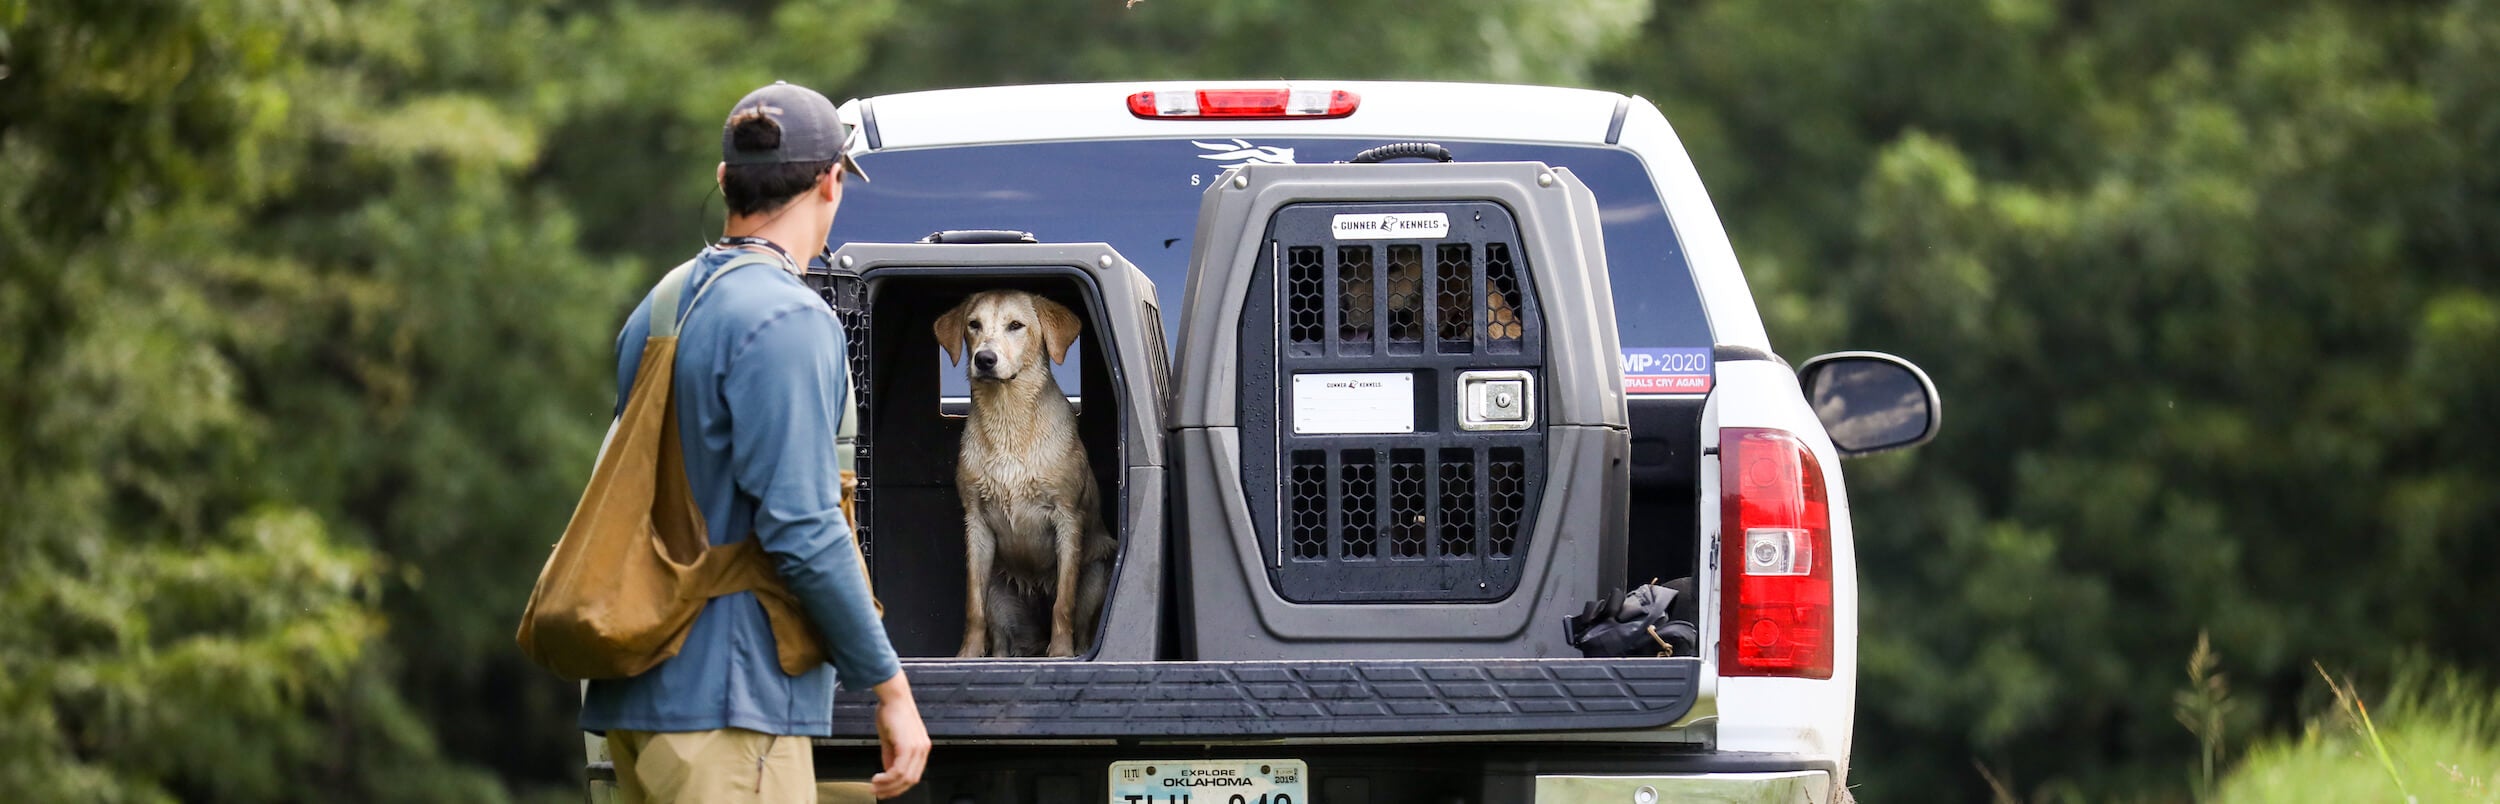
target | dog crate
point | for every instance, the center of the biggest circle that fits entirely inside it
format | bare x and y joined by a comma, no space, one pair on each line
1399,416
910,519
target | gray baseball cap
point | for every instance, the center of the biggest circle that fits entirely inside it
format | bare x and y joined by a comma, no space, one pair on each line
811,131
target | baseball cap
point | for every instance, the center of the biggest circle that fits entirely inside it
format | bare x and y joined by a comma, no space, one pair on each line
811,131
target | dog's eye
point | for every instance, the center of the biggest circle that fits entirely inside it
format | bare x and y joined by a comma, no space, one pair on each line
1014,325
976,326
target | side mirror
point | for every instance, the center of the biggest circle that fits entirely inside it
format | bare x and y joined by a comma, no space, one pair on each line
1871,402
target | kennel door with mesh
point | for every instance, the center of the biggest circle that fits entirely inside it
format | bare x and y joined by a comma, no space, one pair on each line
1348,333
910,519
1399,415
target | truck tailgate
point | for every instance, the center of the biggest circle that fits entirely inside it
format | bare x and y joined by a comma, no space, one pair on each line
1065,699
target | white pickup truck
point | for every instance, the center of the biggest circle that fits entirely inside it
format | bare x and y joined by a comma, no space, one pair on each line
1281,630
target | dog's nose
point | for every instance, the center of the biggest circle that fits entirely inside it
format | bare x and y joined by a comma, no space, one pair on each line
985,360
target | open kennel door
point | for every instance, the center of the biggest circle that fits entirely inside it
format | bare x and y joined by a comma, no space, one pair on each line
910,525
1399,420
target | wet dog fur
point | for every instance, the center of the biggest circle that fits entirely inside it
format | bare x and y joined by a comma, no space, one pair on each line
1037,558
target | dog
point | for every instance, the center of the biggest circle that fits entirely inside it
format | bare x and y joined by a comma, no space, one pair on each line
1406,297
1033,531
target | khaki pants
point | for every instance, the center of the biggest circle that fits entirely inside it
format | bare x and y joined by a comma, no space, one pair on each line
725,766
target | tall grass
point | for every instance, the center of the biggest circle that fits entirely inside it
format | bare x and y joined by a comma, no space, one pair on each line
2203,707
2433,737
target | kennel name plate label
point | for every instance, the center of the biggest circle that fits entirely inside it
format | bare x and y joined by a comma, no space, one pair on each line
1349,404
1391,226
1252,781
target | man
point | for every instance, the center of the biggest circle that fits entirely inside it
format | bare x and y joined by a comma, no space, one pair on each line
760,383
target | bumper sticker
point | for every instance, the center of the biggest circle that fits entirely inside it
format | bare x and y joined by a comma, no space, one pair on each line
1666,371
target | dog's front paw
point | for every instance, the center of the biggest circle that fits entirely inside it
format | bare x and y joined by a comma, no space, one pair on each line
973,649
1062,649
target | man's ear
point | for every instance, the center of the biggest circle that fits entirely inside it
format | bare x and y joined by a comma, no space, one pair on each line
1059,327
720,174
950,331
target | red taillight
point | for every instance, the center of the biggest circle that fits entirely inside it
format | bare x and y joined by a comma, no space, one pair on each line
1775,542
1243,104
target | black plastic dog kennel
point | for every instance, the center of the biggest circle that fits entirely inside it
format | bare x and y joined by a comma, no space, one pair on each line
1398,416
910,519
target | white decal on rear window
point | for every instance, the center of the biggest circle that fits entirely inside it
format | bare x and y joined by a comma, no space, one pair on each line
1240,152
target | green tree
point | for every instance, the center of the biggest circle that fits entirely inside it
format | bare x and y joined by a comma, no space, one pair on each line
168,629
308,357
943,43
2209,291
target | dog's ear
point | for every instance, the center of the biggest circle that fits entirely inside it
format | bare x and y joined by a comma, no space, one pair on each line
1059,327
950,331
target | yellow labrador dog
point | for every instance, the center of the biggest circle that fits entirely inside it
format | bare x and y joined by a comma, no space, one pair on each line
1033,533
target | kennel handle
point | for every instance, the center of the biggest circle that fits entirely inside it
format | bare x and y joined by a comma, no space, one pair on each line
1403,150
979,236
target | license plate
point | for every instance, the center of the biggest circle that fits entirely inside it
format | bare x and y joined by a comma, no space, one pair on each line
1229,781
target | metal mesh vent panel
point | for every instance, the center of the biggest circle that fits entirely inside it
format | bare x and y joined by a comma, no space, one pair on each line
1308,504
1406,296
1390,512
1354,300
1502,328
1305,293
1358,493
1406,503
848,296
1454,275
1458,502
1506,499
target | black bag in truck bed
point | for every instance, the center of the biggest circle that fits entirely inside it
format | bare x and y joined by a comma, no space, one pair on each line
1381,697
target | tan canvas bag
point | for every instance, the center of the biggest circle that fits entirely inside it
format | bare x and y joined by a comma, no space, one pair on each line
635,566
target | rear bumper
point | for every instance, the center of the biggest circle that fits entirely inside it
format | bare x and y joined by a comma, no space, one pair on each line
1035,700
1477,773
1769,787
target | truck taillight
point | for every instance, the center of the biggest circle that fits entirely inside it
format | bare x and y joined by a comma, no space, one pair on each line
1775,539
1243,104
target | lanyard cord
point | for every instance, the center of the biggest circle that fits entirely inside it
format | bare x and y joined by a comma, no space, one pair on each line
747,241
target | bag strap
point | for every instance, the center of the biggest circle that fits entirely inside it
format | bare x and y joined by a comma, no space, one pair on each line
671,287
664,296
742,566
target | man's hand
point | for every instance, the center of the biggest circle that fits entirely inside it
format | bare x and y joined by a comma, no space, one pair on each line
906,742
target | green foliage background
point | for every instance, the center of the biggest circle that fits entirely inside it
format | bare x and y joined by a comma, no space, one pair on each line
306,305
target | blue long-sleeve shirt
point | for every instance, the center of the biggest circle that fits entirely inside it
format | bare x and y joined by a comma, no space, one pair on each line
760,383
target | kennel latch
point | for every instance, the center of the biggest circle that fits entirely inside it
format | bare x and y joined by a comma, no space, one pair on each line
1496,400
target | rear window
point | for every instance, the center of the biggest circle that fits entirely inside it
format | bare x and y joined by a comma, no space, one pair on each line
1141,196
